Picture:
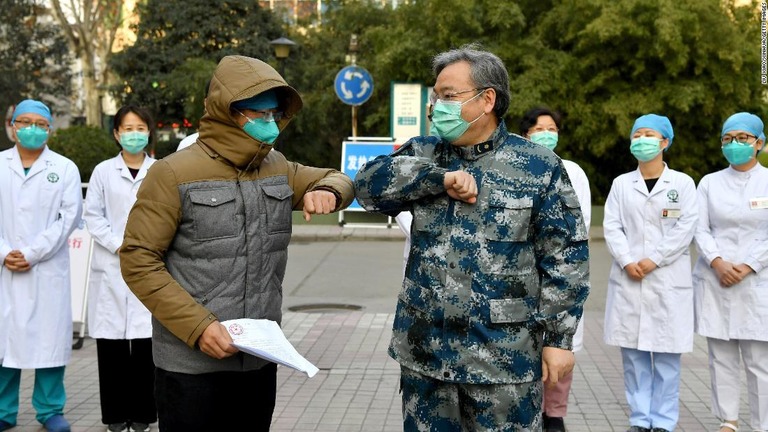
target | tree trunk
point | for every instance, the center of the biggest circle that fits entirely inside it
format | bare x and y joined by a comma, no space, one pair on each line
92,94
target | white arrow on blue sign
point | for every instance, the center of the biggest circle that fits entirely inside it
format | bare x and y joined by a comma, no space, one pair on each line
353,85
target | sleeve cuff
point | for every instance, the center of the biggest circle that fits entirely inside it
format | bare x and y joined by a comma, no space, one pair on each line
558,340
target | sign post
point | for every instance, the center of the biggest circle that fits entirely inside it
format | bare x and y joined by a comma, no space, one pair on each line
354,86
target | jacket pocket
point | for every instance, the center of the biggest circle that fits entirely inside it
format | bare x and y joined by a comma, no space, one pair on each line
573,216
510,216
507,250
214,213
508,311
416,298
278,207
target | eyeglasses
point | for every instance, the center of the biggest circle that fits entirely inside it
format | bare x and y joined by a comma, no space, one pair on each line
742,138
267,116
450,97
25,123
542,129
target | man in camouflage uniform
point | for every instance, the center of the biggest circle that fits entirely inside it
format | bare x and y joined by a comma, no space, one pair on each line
498,268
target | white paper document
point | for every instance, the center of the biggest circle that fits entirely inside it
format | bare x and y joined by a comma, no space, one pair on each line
264,338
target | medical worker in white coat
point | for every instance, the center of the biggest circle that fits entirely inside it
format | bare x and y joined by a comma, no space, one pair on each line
649,222
731,274
542,126
119,322
40,205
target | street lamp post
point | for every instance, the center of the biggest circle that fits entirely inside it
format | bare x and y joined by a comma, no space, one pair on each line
282,47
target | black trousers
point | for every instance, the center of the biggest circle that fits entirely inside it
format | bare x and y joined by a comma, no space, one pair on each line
126,380
220,401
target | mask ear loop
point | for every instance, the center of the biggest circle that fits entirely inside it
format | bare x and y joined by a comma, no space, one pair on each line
666,146
481,114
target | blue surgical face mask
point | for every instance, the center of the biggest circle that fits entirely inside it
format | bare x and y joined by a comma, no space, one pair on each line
737,153
447,120
645,148
134,142
546,138
32,137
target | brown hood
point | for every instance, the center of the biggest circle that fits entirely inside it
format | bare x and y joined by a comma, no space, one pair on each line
237,78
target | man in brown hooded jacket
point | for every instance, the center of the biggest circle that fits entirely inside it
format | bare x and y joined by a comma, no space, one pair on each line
206,241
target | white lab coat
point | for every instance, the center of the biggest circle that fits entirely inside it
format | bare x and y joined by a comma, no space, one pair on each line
404,221
581,187
655,314
187,141
114,312
733,225
580,184
38,212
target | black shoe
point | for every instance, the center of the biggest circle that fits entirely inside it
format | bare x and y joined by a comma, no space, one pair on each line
659,430
544,421
139,427
638,429
117,427
552,424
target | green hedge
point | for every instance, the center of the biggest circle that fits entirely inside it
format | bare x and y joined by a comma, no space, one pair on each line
85,145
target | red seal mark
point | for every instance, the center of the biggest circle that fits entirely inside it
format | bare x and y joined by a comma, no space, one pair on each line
236,329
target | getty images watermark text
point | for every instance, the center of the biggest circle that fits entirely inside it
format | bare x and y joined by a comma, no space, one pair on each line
764,43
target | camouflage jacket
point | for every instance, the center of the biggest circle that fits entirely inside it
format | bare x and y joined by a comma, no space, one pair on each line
487,285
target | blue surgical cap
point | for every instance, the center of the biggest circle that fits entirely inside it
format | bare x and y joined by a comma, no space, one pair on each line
262,101
656,122
30,106
744,121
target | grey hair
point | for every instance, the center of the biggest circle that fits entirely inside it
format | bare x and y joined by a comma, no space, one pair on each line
486,71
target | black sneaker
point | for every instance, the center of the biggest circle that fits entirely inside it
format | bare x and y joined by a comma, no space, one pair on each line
139,427
117,427
552,424
659,430
638,429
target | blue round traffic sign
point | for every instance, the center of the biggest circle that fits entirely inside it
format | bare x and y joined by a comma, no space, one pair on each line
353,85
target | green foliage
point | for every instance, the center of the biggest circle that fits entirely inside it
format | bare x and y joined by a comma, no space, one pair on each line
176,45
601,63
34,58
188,83
87,146
315,136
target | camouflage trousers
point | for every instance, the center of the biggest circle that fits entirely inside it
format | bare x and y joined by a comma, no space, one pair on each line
433,405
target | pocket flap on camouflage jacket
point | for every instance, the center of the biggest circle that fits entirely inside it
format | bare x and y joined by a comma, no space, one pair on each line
506,198
509,310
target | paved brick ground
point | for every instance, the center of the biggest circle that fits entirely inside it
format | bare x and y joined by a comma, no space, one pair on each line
356,388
